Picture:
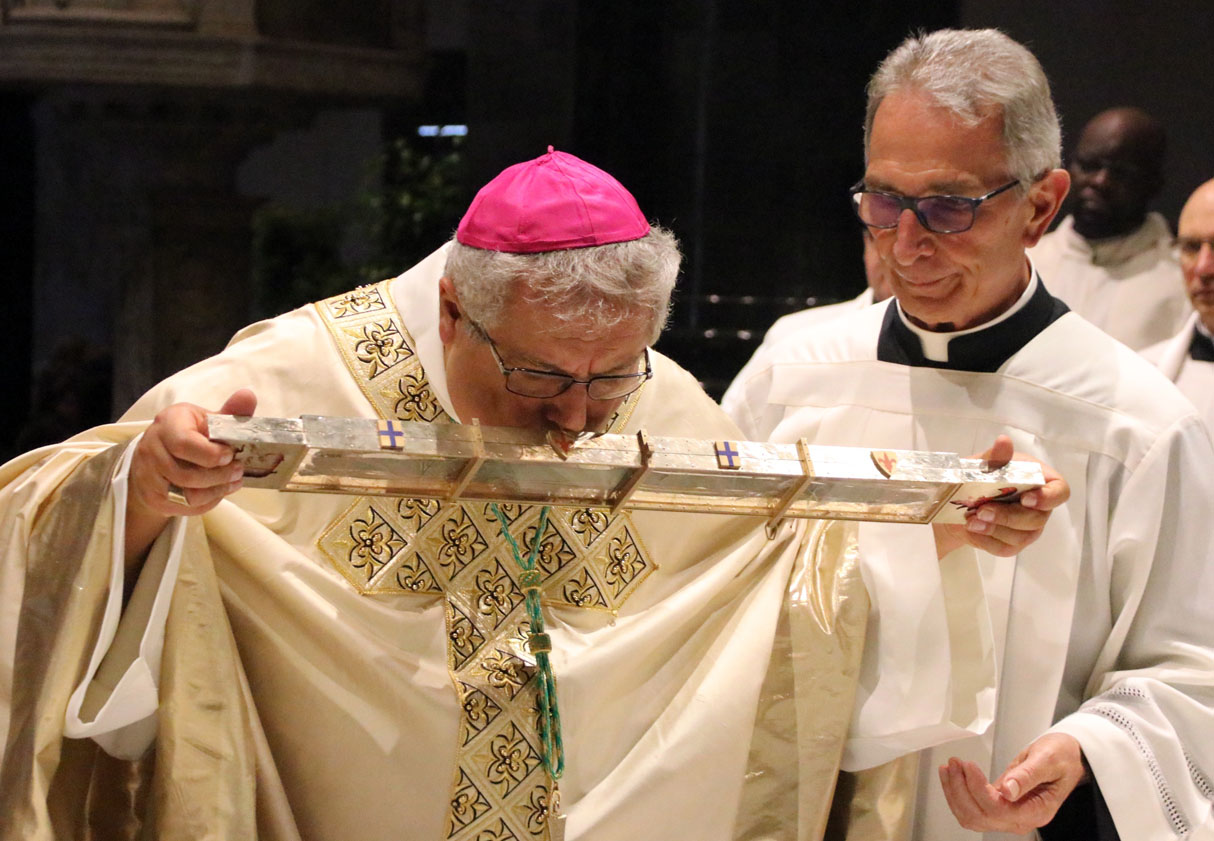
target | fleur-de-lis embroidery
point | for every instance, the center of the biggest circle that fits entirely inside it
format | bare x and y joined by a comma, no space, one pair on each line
509,762
416,512
580,590
479,709
461,542
363,299
554,552
416,576
505,672
416,402
496,592
510,759
588,523
623,563
374,543
463,636
539,806
467,804
380,347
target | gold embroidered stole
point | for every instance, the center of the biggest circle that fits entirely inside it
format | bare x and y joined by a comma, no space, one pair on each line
588,558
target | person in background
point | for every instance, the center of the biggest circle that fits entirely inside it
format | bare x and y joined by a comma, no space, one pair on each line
1111,260
1187,358
876,290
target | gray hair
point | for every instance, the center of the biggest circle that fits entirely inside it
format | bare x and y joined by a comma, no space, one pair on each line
601,285
972,73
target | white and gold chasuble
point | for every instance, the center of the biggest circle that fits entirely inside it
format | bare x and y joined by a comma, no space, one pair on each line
589,559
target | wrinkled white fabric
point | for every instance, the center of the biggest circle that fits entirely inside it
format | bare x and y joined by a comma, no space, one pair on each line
1108,632
1194,377
1129,286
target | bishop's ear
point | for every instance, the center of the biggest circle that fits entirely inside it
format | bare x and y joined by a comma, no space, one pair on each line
1045,198
449,312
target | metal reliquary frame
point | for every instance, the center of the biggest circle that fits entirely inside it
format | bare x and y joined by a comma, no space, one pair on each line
467,461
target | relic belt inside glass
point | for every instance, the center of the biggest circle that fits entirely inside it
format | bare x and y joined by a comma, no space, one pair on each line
472,462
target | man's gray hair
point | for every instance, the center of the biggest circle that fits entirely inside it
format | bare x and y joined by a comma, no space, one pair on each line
600,285
974,73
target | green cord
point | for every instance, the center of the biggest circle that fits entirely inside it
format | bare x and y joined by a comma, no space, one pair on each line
539,643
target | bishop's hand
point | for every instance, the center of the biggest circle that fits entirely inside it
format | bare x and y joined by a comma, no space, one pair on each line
1006,528
177,471
1026,796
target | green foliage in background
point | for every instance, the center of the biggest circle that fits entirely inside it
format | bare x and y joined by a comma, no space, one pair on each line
413,201
423,196
296,258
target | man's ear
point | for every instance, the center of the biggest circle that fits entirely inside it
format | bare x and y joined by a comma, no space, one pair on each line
449,312
1045,198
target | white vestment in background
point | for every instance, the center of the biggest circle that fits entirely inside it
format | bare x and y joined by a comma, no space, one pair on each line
1106,629
797,322
1129,286
1194,377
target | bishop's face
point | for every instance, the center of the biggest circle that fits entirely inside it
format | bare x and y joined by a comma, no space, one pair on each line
959,280
531,336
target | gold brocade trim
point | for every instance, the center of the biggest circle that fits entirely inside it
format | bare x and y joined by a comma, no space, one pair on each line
588,558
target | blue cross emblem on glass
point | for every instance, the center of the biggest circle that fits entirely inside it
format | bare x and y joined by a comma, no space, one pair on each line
391,436
728,457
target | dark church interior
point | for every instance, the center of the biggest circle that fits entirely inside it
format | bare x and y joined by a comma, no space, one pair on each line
175,170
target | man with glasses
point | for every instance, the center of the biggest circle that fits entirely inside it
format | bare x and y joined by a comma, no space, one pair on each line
1187,358
1111,261
382,675
1105,719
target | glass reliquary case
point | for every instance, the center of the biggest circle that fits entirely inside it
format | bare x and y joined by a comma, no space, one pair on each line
366,456
454,461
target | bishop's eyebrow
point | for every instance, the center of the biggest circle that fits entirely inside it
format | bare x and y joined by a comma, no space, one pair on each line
526,361
532,361
523,360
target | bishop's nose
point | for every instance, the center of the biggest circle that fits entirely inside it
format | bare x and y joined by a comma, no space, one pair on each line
569,410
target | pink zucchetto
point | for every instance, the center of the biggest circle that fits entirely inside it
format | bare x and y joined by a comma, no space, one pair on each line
554,202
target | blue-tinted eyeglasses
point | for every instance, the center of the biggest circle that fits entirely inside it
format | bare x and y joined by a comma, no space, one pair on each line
939,214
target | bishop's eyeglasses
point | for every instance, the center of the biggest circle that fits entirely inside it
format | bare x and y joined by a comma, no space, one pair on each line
939,214
529,382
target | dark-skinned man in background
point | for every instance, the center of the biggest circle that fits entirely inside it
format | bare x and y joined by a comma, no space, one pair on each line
1111,260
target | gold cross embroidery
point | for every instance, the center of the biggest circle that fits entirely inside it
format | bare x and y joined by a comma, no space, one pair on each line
588,559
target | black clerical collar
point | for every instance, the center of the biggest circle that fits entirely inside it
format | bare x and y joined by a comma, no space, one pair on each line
1201,347
984,349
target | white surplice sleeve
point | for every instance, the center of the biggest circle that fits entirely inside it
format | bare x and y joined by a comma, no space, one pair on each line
115,702
1147,725
748,402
